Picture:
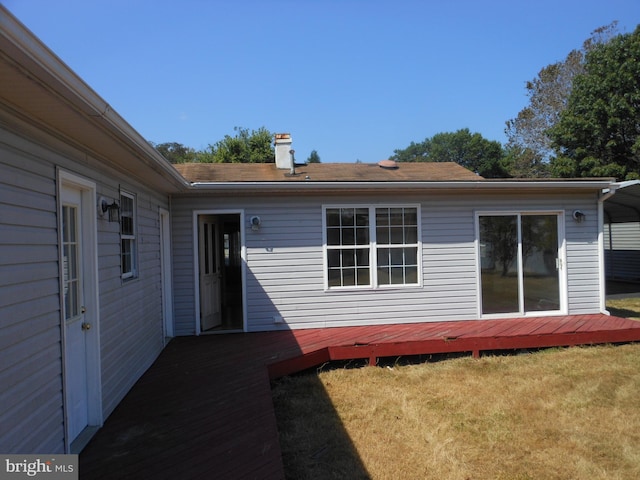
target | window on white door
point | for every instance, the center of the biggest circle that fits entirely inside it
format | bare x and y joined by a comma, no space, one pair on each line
371,246
71,261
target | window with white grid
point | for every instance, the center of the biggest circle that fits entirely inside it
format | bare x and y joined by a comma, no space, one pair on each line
371,246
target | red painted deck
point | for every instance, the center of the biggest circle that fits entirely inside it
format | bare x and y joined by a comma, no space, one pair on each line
204,409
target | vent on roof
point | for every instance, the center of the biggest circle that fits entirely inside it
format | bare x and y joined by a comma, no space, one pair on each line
388,164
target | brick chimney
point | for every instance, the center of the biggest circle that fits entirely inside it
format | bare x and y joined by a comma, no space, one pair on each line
284,157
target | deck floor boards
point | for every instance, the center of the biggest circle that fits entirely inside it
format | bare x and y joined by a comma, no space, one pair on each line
204,408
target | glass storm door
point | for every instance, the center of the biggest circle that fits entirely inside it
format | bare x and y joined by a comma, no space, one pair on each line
519,263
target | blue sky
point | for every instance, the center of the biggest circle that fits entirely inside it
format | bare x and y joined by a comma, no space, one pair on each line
352,79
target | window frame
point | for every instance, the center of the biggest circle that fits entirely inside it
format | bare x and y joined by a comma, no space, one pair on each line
130,238
373,247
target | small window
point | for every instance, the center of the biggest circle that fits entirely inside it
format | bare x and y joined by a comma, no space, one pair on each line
371,246
128,246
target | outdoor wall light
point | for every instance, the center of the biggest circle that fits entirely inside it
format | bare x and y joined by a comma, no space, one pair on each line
255,223
578,216
113,210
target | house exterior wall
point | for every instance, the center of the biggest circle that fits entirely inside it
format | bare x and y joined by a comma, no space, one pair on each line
622,251
284,259
31,325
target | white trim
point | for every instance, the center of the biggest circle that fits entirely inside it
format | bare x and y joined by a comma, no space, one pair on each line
373,247
91,299
166,272
196,271
602,280
562,256
133,237
196,263
430,186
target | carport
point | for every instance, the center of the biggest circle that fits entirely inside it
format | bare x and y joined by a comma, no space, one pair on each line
622,236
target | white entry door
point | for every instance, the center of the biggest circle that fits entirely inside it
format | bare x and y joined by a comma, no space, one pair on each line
78,265
76,326
210,273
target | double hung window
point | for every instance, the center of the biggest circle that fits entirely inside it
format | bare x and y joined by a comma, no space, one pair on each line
372,246
128,246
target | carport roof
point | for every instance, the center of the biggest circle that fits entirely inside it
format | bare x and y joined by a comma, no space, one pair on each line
624,206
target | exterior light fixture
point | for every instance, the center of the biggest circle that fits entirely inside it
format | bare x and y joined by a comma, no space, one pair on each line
255,223
113,209
578,216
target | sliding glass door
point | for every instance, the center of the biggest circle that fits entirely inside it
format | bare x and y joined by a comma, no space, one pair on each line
520,263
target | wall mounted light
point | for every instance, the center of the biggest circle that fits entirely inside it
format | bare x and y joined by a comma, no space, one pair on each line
255,223
578,216
112,209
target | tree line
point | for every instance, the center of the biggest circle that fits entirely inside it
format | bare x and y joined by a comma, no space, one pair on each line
246,146
582,120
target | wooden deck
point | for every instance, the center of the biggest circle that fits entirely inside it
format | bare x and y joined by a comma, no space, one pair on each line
204,409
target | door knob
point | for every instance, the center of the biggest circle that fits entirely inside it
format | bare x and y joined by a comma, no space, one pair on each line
86,326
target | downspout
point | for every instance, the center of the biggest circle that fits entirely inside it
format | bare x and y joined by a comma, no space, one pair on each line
603,196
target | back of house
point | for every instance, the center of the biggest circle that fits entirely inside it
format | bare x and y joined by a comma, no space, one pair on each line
84,245
107,250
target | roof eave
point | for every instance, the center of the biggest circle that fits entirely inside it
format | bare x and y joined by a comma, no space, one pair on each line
42,63
482,185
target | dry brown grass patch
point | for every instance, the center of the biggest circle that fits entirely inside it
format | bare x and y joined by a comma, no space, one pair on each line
625,307
554,414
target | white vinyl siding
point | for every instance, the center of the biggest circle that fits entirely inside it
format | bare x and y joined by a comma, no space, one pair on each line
285,266
131,322
130,317
583,260
30,341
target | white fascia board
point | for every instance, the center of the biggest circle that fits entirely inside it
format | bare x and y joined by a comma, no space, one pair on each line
627,183
593,185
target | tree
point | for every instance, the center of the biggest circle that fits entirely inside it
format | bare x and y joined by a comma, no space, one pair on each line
471,150
313,157
176,152
598,133
522,162
255,146
548,95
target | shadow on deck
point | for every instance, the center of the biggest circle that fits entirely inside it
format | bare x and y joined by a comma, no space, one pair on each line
204,409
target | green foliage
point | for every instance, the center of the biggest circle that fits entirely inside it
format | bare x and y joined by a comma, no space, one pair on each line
313,157
548,96
471,150
415,152
176,152
522,162
255,146
598,133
